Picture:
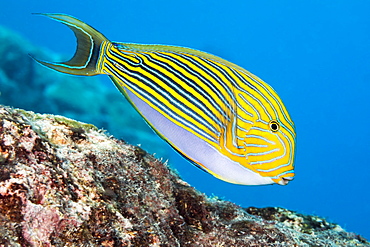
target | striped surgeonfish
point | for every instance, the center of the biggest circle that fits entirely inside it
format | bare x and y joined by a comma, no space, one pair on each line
217,115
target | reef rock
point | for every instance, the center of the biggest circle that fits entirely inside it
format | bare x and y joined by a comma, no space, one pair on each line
66,183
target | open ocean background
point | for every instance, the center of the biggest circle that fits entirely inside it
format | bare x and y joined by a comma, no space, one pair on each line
314,53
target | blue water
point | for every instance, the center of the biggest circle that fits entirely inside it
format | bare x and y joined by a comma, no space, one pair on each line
316,56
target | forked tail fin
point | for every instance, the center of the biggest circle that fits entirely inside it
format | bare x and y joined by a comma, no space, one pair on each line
87,52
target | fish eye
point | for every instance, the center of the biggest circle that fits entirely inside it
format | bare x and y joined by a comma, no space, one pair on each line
274,126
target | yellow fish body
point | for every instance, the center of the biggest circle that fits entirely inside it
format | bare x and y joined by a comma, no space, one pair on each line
216,114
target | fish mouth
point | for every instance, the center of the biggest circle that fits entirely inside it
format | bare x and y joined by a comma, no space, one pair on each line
285,180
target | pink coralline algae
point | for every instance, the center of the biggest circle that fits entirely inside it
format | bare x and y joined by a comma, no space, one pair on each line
66,183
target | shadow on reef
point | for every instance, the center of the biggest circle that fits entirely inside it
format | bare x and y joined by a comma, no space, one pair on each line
66,183
27,85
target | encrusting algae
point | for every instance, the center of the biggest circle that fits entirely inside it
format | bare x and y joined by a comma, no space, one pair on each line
65,183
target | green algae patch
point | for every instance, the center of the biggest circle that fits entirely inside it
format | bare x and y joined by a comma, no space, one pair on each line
73,123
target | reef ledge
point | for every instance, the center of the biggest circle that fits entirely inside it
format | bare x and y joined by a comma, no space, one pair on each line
66,183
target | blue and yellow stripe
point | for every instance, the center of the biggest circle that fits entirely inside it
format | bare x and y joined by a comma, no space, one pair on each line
216,114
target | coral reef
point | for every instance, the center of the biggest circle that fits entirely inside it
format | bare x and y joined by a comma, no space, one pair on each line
27,85
66,183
